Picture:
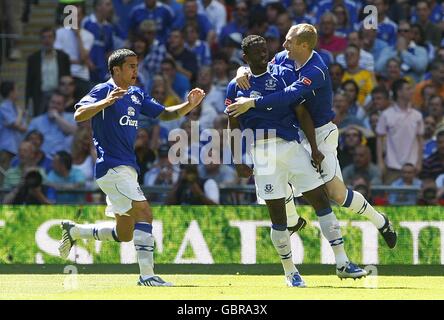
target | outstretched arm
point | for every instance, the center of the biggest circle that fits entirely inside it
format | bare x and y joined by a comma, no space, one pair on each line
306,123
194,98
289,95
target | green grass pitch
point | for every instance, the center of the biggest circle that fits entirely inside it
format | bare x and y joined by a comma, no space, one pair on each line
220,287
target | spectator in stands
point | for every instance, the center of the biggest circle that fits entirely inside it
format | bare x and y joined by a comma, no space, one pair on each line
41,159
392,73
220,72
186,61
44,70
191,189
64,177
362,166
239,23
214,100
400,132
155,51
213,168
299,13
436,79
123,9
407,179
329,5
190,14
336,74
387,29
363,78
27,161
56,125
327,39
380,100
145,156
429,137
274,43
200,48
366,60
351,137
12,123
419,38
434,165
12,23
29,191
272,10
84,154
162,173
283,24
429,193
161,91
344,25
363,186
351,89
341,106
436,110
156,11
77,44
431,29
178,81
67,87
98,23
370,43
413,58
216,13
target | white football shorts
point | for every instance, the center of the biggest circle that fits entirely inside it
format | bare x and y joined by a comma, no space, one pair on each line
121,188
278,162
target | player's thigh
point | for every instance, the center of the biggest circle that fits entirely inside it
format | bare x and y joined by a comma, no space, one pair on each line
141,212
124,227
122,189
303,174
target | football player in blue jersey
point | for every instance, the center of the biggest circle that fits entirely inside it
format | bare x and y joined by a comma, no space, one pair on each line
313,83
279,158
114,108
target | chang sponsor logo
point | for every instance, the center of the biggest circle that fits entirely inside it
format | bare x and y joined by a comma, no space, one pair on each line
126,121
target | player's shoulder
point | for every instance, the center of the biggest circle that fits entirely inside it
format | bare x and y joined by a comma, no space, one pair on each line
232,85
316,67
279,57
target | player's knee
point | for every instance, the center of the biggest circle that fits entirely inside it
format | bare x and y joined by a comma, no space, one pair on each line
336,196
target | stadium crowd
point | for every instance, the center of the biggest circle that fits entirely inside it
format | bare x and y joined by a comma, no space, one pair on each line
388,94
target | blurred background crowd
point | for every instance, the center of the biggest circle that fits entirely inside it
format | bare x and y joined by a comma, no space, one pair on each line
388,92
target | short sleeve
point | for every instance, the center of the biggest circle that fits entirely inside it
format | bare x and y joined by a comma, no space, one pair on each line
150,107
230,95
381,127
7,116
97,93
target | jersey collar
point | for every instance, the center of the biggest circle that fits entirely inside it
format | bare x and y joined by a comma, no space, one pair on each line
309,58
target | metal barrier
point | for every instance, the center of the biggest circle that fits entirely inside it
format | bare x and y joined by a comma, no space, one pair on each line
230,194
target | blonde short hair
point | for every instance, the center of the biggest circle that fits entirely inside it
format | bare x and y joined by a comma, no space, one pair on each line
305,32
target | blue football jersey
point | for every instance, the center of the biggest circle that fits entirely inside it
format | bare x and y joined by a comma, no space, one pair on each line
115,127
275,79
312,83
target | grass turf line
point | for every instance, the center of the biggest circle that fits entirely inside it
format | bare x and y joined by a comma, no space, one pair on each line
220,287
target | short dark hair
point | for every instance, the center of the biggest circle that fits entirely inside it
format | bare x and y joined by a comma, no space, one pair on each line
117,58
397,85
170,61
65,159
251,41
440,134
352,82
35,131
57,92
382,90
47,29
6,87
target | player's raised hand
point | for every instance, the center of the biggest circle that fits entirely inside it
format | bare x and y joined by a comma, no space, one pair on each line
241,106
195,96
117,93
